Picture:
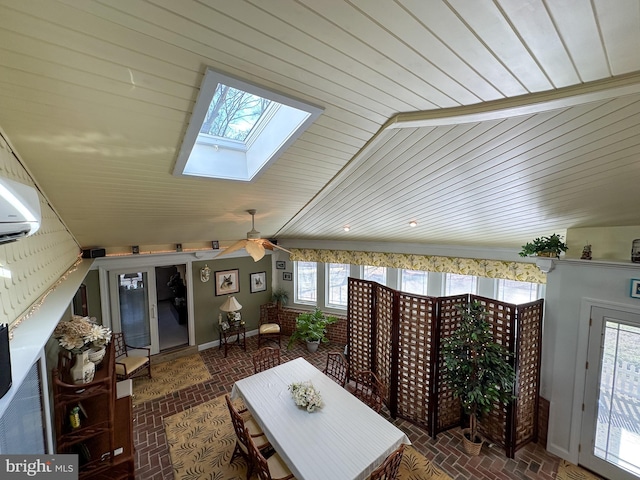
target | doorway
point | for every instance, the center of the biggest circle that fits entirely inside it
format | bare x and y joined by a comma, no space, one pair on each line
171,291
149,304
610,435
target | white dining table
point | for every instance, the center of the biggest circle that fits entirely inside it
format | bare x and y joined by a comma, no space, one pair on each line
345,439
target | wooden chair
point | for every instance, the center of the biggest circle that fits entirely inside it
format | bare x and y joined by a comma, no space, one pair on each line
337,368
269,327
246,430
369,389
272,469
388,470
130,366
265,358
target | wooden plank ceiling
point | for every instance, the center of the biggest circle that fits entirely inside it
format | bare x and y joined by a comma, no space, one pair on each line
487,122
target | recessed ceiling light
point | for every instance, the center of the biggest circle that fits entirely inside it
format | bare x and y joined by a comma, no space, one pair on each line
346,228
413,223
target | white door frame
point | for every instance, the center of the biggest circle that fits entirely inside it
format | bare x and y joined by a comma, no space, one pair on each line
586,305
134,262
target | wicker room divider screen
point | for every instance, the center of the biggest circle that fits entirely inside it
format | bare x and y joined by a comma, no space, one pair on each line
398,336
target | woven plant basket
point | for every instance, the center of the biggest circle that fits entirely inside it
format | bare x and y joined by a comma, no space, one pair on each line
472,448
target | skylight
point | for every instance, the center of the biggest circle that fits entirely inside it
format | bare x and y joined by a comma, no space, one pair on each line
238,129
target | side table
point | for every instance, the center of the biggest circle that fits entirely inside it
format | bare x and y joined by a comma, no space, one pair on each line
234,335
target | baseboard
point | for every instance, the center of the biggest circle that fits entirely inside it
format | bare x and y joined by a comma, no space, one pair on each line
216,343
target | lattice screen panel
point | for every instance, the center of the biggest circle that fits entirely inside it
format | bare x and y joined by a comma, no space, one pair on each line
398,335
416,347
383,335
448,407
528,356
360,314
501,316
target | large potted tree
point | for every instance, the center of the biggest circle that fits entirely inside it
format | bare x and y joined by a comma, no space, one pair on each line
477,369
312,328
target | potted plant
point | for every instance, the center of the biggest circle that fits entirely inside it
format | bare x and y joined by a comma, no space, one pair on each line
312,328
280,297
477,370
551,246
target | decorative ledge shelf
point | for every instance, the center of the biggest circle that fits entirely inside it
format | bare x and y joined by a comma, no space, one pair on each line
547,265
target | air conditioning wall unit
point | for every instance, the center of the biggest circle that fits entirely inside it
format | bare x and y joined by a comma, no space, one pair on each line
19,210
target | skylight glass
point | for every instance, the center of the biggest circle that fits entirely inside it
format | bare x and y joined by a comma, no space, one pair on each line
233,113
238,129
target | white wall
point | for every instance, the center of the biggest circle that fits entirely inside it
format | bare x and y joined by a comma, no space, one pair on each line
573,286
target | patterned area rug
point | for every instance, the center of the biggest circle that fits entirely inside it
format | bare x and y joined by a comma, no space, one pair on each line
569,471
201,441
170,377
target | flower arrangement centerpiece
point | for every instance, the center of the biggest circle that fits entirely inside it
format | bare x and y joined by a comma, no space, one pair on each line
80,334
305,395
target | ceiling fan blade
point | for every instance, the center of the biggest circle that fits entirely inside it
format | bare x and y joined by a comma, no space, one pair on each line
273,245
236,246
255,249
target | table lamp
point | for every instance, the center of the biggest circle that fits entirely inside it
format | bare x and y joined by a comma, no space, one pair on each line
232,307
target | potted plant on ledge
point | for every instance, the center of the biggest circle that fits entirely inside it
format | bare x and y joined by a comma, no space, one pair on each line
477,370
312,328
551,246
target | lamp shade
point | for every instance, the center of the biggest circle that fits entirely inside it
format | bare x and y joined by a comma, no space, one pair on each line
230,305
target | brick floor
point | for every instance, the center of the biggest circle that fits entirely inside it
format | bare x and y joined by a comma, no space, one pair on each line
152,452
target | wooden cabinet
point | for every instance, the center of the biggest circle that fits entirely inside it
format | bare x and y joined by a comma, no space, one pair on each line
103,439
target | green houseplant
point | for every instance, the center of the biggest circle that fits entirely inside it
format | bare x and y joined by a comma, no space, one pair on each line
477,369
551,246
312,328
280,296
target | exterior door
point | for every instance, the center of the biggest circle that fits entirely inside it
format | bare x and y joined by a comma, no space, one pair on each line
610,435
134,306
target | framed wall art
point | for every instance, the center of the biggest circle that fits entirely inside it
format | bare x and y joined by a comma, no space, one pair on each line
258,282
281,264
635,288
227,282
287,276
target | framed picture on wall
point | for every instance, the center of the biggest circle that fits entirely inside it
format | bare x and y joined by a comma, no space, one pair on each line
287,276
227,282
635,288
281,264
258,282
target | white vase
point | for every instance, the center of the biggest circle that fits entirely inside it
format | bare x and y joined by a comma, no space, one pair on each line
83,370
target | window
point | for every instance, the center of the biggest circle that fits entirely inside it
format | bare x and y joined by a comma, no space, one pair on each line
414,281
337,284
375,274
517,292
238,129
458,284
306,285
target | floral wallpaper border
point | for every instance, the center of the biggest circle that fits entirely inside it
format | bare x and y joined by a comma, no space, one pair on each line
518,271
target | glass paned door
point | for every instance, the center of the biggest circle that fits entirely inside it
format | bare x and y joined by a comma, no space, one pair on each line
133,303
610,439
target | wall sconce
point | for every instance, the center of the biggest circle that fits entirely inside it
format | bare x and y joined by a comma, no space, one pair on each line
205,274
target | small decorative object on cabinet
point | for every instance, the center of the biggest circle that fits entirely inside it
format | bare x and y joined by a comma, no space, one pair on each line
586,253
91,423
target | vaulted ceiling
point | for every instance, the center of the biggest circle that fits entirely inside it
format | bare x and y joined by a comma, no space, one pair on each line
487,122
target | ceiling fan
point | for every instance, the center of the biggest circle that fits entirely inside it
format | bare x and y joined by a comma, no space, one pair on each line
254,244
